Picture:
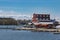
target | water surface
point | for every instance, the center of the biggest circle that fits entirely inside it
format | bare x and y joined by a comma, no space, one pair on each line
6,34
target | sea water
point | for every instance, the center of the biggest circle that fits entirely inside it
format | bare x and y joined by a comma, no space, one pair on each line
7,34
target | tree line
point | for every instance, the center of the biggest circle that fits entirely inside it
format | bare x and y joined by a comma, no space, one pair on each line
12,21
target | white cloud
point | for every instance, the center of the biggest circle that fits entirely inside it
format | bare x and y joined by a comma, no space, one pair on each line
13,14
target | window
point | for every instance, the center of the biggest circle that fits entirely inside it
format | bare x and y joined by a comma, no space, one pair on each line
43,15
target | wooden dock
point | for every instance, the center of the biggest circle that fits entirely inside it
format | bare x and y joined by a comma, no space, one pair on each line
39,29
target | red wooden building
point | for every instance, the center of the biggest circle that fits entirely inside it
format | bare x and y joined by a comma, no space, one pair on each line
42,20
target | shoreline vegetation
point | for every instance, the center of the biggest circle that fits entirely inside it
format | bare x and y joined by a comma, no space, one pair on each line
8,21
12,21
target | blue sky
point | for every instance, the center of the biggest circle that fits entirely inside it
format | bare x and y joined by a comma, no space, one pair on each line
28,7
